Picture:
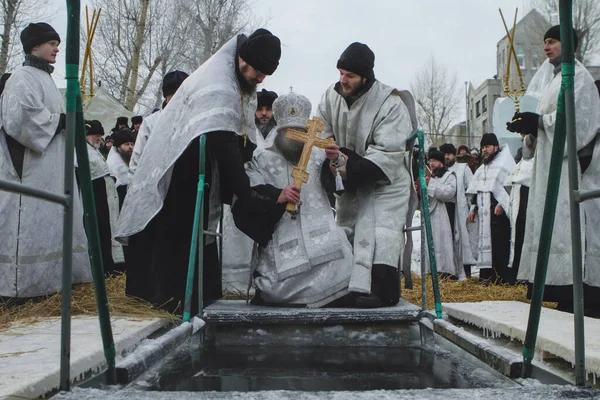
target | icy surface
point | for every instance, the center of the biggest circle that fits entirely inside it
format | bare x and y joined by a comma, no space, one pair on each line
30,354
198,324
524,393
509,318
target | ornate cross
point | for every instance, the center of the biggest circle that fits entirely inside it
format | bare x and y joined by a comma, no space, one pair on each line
310,139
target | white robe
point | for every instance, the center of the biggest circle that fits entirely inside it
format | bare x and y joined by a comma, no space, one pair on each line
376,127
520,177
587,110
440,191
209,100
140,142
118,167
31,230
465,234
99,170
309,260
490,179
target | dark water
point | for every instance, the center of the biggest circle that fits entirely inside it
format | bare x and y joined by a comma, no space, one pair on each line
247,368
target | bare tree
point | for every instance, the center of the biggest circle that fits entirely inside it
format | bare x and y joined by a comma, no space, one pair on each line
437,97
15,15
139,41
586,21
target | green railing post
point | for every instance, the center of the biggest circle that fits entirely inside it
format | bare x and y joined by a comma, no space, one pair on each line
553,185
75,125
427,219
568,85
197,244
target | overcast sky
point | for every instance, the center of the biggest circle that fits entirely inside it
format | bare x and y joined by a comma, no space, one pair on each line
461,34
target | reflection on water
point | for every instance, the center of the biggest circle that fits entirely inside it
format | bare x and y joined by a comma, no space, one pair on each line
246,368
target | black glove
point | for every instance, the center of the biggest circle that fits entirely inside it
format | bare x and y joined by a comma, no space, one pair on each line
524,123
62,123
246,149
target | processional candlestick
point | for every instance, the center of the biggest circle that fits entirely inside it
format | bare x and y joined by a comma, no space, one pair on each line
514,93
314,126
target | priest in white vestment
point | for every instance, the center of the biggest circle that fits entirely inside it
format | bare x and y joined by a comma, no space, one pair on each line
518,182
441,193
465,234
490,203
118,160
32,152
371,123
218,101
540,128
307,260
106,199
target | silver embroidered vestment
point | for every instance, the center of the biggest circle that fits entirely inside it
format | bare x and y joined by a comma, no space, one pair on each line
31,249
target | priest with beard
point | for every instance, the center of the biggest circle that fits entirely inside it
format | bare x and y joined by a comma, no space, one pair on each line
463,234
489,204
217,100
265,122
118,160
106,199
441,191
305,260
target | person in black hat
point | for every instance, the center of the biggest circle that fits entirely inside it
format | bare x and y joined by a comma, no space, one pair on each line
122,122
33,120
488,190
539,128
217,101
136,121
370,123
171,83
106,199
118,160
94,133
264,112
441,190
458,210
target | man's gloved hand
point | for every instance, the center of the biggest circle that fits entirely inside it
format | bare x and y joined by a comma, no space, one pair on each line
526,122
62,123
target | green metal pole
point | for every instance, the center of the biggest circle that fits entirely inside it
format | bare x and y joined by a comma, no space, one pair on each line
427,219
568,85
65,333
87,193
34,192
556,160
189,287
202,168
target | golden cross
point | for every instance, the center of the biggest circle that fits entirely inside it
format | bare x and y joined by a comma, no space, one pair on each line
310,139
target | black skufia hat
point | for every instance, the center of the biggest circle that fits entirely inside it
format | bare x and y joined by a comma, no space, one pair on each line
37,33
437,155
358,58
124,135
554,33
121,121
172,81
265,98
489,139
448,148
262,50
94,127
137,119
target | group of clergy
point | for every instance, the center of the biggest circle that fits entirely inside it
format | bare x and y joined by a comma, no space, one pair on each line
279,171
505,198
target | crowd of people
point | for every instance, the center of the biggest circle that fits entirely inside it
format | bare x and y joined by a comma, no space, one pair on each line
484,207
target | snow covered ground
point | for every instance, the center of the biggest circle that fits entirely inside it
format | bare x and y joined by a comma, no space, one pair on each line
30,353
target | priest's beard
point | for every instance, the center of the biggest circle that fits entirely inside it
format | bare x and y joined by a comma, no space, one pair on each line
95,145
439,172
449,163
264,129
289,149
488,158
125,155
248,88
